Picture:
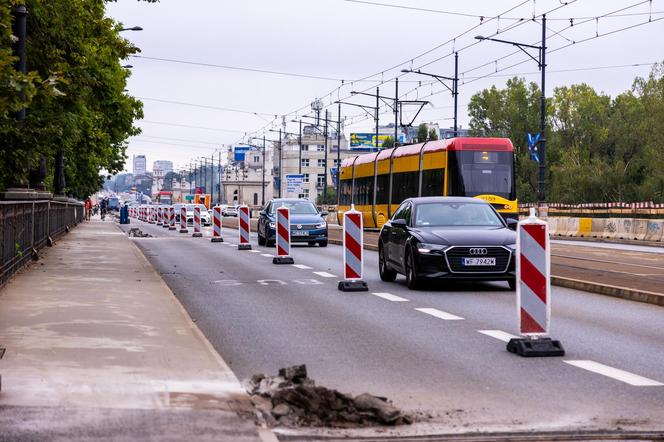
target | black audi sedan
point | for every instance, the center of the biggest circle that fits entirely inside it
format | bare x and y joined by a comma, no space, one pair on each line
453,238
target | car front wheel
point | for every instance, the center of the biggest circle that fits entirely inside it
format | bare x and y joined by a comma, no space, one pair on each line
322,243
411,276
386,274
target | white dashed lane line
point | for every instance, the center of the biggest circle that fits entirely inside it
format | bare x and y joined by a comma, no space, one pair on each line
615,373
267,255
390,297
498,334
324,274
302,266
255,251
439,314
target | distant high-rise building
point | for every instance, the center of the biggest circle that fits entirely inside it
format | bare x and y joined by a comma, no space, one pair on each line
162,167
140,163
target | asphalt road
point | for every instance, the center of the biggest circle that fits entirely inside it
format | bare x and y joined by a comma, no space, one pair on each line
437,351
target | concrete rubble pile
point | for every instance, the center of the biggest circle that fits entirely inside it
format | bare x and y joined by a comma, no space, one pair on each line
291,399
137,233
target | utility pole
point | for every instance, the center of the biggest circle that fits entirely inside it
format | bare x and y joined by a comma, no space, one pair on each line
456,91
280,154
542,152
219,175
377,117
325,160
396,111
299,167
338,147
263,186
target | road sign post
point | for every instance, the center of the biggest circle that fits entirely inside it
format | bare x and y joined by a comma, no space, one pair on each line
283,234
353,253
243,228
216,225
183,220
197,223
533,290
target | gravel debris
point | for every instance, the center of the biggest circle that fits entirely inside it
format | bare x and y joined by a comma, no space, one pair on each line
291,399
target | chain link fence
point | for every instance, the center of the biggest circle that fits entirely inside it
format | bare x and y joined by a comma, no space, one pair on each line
28,226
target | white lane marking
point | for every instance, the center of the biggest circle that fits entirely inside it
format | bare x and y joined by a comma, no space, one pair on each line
498,334
439,314
324,274
255,251
615,373
267,255
302,266
390,297
230,244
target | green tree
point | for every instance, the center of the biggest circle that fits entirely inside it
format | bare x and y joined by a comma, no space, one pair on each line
433,134
75,97
422,133
389,142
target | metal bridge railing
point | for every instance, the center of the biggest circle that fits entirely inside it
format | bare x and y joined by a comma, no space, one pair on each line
28,226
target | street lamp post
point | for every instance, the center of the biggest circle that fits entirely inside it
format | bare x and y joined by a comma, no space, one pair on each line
541,63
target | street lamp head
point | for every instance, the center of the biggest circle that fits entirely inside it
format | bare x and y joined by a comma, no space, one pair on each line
406,71
127,66
480,37
353,92
133,28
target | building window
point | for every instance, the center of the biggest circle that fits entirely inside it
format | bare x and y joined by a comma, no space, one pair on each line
304,194
305,147
321,163
257,159
320,148
320,180
305,178
255,199
305,162
336,162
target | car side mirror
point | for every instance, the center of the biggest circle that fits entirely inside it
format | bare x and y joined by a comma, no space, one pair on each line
263,213
512,223
324,213
400,222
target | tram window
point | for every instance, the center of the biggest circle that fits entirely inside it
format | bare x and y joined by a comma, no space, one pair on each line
345,191
382,189
433,182
404,185
363,194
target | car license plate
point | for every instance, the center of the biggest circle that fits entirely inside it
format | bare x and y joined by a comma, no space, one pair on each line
299,233
479,261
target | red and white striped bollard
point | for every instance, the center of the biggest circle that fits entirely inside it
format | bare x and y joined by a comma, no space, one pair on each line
216,225
197,222
244,226
183,220
353,252
283,237
533,290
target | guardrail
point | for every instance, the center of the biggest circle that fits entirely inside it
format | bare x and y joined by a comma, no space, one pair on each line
28,226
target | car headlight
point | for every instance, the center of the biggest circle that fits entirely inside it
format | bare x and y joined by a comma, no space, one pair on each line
321,225
429,248
271,225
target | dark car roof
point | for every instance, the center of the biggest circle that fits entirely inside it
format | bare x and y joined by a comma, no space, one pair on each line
446,199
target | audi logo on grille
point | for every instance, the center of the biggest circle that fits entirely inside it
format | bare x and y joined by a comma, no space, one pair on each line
478,251
299,226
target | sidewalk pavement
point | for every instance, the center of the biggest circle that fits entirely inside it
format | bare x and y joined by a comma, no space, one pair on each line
98,347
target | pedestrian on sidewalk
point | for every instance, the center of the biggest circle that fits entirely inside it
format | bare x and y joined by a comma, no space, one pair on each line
88,209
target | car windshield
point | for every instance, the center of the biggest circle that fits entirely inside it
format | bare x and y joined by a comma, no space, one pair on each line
456,214
296,207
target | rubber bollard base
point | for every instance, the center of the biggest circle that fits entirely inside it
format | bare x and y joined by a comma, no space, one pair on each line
535,348
197,235
282,260
216,239
353,286
165,226
171,228
244,246
184,231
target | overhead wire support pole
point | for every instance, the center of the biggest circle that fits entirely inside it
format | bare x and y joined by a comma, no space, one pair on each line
299,164
377,115
456,93
338,147
396,111
280,156
325,158
263,179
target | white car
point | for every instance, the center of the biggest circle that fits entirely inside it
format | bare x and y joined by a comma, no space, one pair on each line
205,215
227,210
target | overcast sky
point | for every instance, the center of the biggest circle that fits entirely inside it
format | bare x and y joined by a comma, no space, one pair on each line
349,40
